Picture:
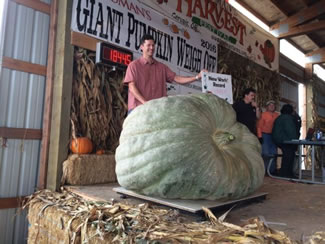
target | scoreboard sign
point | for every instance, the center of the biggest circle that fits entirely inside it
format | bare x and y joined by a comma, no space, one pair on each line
111,55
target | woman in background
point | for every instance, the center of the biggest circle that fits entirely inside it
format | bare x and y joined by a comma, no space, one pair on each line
284,129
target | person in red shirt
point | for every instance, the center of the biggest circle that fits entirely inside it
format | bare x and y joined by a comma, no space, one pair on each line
146,77
264,133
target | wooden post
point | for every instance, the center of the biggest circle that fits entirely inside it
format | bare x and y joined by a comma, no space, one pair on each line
62,88
48,96
308,71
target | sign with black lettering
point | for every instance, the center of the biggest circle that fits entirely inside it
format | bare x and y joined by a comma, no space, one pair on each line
218,84
123,23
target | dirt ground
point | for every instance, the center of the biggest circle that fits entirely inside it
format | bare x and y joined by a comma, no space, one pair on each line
298,209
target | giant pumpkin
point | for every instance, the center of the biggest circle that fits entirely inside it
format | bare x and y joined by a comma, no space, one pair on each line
188,147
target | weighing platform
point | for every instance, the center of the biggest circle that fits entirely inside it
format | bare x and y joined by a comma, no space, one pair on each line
192,206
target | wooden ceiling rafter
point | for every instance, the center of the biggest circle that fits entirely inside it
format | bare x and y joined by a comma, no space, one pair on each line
278,6
303,29
256,14
306,2
301,17
316,57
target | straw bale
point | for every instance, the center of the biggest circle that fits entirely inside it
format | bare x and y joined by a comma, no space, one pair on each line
90,236
89,169
50,225
109,222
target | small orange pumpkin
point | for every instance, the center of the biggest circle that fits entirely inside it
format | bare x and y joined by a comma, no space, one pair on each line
100,152
81,145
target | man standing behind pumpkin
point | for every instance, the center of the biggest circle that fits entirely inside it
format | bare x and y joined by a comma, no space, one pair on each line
264,133
146,77
247,111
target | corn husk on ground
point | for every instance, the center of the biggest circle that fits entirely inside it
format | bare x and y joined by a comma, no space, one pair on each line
107,222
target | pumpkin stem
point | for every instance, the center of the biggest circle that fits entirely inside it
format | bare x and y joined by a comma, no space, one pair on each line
222,137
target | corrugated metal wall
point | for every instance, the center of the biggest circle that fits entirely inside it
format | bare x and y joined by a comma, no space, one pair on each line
21,106
289,90
289,86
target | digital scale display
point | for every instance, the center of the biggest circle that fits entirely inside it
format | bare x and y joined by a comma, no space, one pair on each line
112,55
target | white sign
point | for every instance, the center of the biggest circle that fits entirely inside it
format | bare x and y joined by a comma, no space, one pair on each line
123,23
218,84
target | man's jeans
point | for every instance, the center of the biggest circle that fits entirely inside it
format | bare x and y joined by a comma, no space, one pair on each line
268,149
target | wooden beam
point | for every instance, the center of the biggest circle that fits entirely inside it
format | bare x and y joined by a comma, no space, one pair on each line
63,77
301,29
256,14
289,72
84,41
16,64
48,97
306,2
300,17
12,202
35,4
285,100
20,133
316,57
308,71
278,6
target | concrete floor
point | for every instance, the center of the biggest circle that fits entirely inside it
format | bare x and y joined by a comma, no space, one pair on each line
297,209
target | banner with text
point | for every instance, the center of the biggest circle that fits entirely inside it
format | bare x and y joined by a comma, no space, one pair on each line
123,22
219,21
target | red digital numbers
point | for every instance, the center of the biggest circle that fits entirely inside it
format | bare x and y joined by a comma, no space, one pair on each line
116,56
119,57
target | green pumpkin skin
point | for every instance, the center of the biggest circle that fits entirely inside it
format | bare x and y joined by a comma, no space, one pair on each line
188,147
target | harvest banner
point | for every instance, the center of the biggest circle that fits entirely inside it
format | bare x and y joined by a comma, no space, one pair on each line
123,22
219,21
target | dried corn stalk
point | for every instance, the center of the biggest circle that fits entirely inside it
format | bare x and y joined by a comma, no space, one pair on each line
317,121
98,104
245,73
318,91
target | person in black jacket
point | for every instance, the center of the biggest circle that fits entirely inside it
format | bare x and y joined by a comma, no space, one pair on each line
247,111
284,129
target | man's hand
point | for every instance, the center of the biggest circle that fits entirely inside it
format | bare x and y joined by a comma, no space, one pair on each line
261,140
199,76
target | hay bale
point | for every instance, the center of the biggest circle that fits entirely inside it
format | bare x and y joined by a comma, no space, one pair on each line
50,225
53,214
89,169
90,236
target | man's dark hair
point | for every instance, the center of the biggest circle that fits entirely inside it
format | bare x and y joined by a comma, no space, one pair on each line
287,109
146,37
248,90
